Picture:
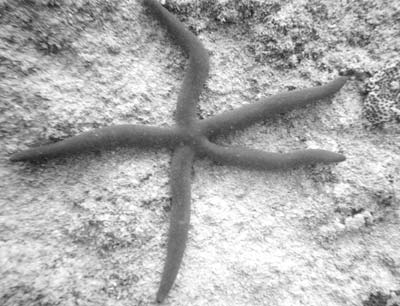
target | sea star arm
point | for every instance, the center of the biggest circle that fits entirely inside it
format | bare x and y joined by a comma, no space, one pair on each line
182,159
181,167
198,67
104,138
260,160
249,114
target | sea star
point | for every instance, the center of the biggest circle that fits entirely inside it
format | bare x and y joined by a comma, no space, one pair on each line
190,138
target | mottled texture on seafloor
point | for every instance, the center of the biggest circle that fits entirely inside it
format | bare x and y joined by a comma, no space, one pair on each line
91,229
